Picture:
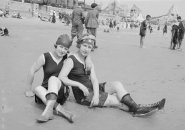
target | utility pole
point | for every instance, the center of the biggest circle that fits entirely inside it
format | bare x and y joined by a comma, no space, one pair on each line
84,4
114,7
32,11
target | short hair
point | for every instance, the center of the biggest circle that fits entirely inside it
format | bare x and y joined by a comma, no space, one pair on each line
178,17
93,5
148,16
64,40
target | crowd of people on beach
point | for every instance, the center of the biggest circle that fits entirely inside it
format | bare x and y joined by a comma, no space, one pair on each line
177,31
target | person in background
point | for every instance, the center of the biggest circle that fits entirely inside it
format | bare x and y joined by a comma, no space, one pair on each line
53,20
165,29
4,31
181,31
91,21
77,19
143,29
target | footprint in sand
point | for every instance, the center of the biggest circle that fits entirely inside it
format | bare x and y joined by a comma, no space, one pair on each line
5,109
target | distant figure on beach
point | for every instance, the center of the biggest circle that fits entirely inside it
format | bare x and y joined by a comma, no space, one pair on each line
67,19
165,29
51,63
143,29
87,90
118,26
150,28
114,23
4,31
174,37
91,21
16,15
77,19
53,20
111,25
106,28
181,31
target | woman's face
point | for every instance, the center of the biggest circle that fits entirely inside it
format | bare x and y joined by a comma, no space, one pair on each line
148,20
85,49
61,50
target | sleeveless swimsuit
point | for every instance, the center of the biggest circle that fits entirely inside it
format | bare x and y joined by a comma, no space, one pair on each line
79,74
51,68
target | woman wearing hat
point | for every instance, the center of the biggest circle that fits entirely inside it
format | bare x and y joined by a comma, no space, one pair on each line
51,62
88,91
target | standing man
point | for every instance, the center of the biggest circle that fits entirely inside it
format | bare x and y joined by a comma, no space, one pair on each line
181,31
143,28
91,21
77,22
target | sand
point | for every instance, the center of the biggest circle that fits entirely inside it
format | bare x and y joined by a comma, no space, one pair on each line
149,74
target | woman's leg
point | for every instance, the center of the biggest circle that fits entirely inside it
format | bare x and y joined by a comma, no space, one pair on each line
54,85
141,41
116,92
117,88
41,93
64,113
124,97
113,101
180,41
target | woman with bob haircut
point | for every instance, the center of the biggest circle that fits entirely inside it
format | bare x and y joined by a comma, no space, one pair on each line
51,63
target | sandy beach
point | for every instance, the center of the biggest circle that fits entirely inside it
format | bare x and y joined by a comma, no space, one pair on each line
149,74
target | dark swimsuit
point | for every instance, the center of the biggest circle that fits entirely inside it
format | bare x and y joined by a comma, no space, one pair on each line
143,28
79,74
181,31
51,68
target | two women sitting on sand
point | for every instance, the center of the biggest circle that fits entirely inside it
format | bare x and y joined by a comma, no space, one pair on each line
78,71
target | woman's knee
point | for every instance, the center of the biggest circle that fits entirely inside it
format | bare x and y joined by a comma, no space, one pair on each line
119,88
54,85
117,84
39,89
54,79
111,101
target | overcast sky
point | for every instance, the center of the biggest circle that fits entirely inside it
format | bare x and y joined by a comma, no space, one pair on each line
152,7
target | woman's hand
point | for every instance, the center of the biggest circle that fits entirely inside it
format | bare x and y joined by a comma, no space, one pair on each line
95,101
84,89
29,93
88,63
